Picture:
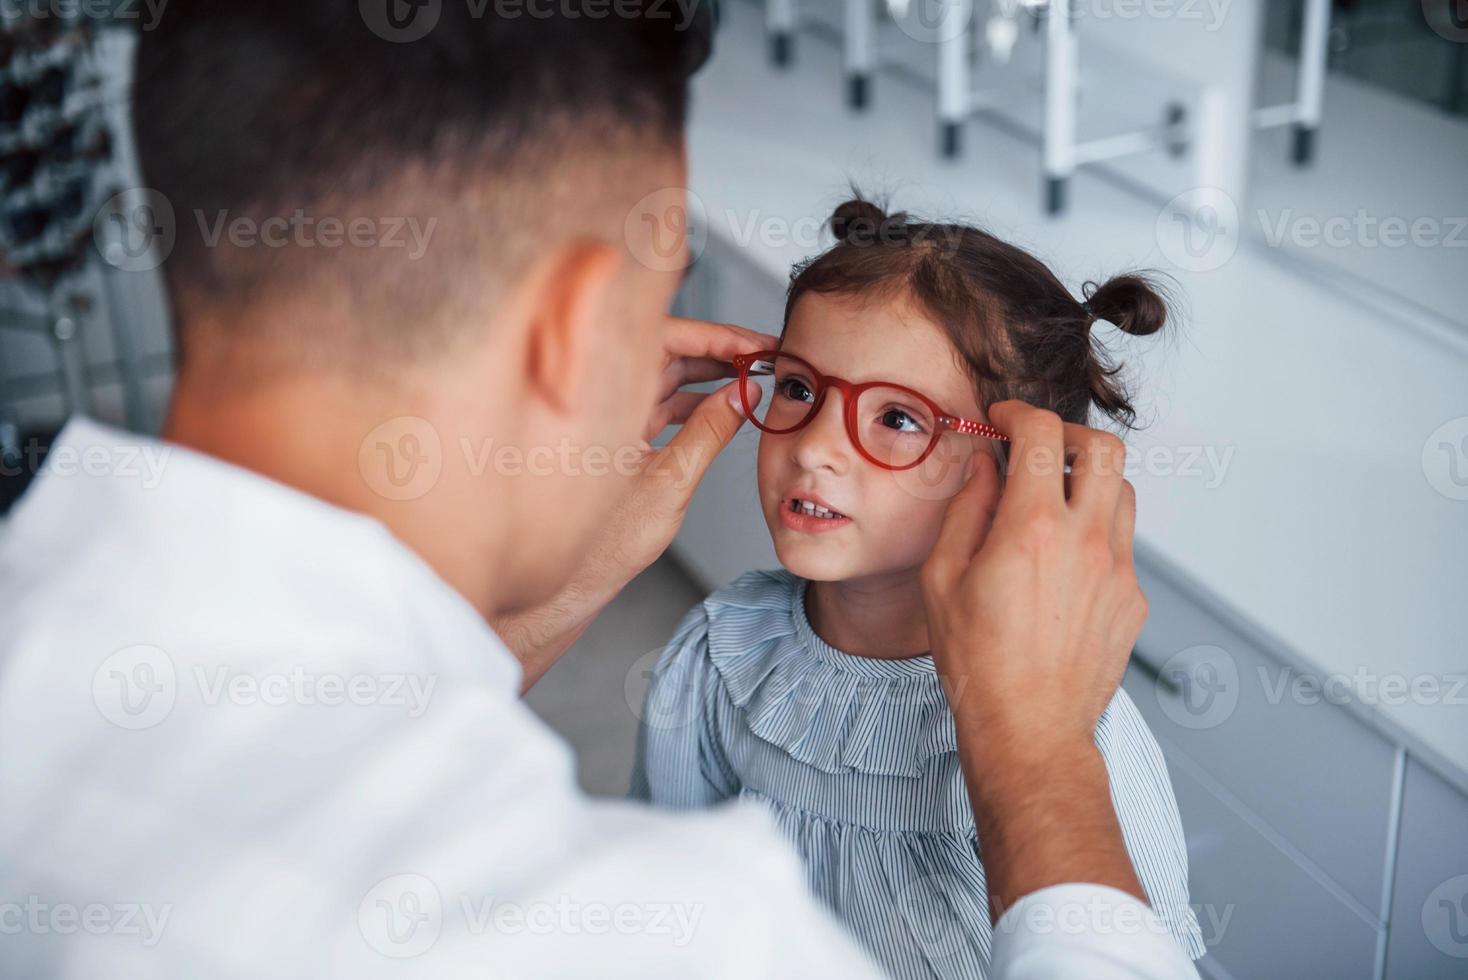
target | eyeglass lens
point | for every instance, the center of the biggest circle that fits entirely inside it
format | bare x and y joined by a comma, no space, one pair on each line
892,425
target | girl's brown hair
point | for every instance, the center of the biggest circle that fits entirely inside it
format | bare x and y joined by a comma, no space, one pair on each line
1020,332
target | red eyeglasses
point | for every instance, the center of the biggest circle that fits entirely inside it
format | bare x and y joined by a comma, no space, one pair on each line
891,425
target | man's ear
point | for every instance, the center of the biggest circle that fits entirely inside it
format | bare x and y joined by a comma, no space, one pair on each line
570,320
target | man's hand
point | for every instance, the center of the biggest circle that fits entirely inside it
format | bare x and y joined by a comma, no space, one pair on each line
694,351
1033,608
652,509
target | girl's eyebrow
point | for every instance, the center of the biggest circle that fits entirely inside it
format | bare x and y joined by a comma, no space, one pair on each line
882,375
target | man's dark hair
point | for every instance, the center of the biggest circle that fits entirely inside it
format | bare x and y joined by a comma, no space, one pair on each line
495,123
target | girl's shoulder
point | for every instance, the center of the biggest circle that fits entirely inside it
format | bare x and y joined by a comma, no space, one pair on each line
738,621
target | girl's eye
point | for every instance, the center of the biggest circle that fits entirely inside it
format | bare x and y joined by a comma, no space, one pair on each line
795,389
896,418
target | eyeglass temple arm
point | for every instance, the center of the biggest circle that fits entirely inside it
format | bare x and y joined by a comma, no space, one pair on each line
972,428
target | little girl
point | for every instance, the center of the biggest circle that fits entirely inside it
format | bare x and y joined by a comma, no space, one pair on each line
810,689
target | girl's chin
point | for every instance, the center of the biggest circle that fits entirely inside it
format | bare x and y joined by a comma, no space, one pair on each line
816,561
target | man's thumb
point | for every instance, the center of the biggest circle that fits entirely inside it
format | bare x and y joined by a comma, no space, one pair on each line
706,432
970,515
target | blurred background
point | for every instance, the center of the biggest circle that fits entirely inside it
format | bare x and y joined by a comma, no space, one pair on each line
1302,473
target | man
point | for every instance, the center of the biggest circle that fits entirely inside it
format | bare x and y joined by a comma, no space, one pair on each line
252,718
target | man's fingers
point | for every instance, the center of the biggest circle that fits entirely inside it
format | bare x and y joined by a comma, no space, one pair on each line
675,409
683,337
692,370
1124,523
1036,453
1095,473
706,431
695,369
969,516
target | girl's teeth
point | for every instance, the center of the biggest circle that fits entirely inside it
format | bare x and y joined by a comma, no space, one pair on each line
806,507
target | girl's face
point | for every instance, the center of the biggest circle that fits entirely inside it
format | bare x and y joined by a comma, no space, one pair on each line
890,519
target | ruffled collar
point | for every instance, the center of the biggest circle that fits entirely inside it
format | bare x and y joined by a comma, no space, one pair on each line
828,709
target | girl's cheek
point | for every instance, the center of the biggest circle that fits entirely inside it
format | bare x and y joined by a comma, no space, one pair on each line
921,491
940,475
910,524
934,514
765,471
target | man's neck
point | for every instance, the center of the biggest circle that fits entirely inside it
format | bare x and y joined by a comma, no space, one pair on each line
310,435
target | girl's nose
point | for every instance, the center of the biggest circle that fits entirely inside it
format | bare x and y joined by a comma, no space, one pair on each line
823,443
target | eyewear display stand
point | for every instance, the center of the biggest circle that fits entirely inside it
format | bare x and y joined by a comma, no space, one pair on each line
951,28
65,152
1304,113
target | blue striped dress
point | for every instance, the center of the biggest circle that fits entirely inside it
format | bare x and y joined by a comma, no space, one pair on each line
857,759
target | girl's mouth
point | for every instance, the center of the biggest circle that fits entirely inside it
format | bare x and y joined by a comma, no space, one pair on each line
802,506
800,514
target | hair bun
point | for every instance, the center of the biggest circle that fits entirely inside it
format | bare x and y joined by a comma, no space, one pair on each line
861,220
1134,302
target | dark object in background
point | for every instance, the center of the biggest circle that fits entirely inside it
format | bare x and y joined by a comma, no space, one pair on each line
13,102
22,454
54,142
